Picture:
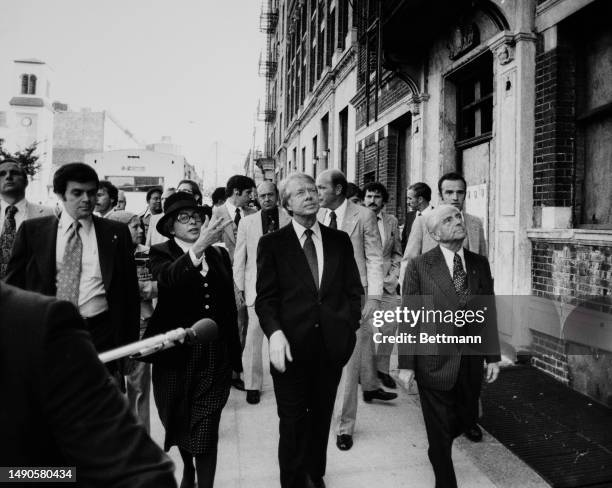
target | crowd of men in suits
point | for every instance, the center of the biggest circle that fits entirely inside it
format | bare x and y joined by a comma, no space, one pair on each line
311,265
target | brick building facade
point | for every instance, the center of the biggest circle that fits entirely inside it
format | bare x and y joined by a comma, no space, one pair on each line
514,94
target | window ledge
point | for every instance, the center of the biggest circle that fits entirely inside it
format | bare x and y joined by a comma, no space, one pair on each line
589,236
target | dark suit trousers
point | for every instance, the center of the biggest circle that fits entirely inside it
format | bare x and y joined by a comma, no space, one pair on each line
102,335
305,395
447,414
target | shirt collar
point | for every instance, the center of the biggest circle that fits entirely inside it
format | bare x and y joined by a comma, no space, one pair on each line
21,206
449,257
340,212
66,221
300,229
231,208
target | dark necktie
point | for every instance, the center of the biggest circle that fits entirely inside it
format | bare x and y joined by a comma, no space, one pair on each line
271,224
7,238
459,276
69,276
333,222
311,256
237,217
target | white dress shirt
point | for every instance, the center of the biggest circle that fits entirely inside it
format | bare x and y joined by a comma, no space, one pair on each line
449,257
20,215
300,231
232,210
92,295
186,247
340,212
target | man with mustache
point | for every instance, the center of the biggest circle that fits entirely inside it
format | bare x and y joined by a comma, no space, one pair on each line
376,197
84,259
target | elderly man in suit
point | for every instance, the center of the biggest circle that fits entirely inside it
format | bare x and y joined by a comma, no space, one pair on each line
360,224
14,208
375,198
62,410
308,303
452,188
449,375
269,219
84,259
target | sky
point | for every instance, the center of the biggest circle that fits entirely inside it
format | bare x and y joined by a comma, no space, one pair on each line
181,68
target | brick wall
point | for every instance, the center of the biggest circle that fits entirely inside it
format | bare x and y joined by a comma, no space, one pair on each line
381,158
550,355
579,274
391,93
555,128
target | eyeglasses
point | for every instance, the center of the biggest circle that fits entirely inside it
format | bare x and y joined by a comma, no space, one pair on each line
184,217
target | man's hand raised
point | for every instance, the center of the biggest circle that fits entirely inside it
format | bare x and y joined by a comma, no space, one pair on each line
279,350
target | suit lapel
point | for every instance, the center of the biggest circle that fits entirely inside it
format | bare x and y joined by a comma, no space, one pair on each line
388,237
45,250
440,274
471,271
107,242
329,264
351,216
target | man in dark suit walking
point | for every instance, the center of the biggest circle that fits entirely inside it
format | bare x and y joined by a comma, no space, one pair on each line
83,259
60,408
448,373
308,303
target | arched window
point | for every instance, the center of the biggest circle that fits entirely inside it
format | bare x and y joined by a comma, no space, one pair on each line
24,84
32,88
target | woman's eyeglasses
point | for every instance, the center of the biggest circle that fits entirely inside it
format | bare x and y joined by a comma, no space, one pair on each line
185,217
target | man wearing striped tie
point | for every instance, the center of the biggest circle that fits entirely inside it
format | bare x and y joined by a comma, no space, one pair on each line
83,259
449,279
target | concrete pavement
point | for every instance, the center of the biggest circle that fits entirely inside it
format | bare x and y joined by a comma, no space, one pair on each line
390,449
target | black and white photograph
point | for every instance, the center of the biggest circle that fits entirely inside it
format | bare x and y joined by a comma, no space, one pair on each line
306,243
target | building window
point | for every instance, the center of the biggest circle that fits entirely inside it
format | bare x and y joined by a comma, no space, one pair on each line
594,121
369,177
475,101
25,81
343,139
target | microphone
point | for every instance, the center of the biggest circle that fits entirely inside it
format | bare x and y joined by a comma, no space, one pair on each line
204,330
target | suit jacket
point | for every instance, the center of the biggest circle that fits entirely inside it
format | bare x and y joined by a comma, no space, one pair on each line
428,284
410,216
245,256
420,241
34,211
392,253
361,226
288,298
230,232
182,297
33,267
60,408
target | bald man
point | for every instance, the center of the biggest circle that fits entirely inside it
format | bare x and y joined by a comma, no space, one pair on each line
269,219
449,371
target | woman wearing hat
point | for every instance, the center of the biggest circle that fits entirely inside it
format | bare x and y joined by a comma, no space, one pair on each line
191,384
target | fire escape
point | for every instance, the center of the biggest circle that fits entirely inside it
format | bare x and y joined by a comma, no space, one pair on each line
268,64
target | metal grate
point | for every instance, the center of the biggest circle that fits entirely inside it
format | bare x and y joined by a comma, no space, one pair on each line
565,436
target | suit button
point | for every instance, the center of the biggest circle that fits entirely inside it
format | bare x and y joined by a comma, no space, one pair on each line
316,326
206,307
207,296
205,285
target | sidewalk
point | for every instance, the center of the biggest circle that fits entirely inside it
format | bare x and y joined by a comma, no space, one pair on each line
390,450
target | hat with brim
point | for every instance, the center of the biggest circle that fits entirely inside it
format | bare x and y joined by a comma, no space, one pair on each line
172,205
